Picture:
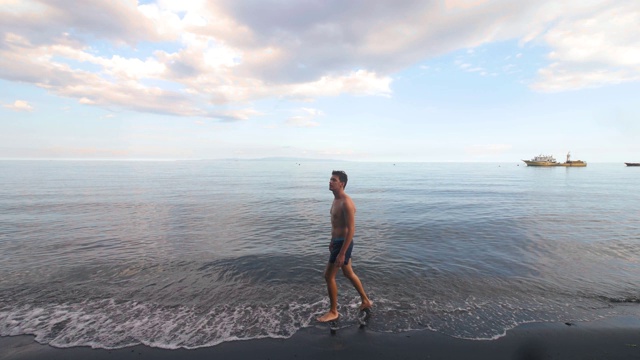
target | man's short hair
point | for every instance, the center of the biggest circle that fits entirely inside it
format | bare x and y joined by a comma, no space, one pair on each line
342,176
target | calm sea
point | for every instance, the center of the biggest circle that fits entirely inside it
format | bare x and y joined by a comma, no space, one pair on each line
192,254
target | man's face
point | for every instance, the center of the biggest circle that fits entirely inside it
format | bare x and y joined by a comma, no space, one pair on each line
334,183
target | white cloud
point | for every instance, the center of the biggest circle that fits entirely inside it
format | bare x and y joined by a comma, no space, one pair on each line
227,52
235,115
359,82
593,50
301,121
610,37
559,77
19,105
86,101
463,4
312,112
306,118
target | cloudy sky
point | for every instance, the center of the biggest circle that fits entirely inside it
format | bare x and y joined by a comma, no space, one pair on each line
367,80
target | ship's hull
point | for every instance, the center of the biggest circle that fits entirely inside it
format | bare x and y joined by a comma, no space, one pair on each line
540,163
632,164
573,164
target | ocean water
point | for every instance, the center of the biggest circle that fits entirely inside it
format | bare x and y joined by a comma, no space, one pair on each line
192,254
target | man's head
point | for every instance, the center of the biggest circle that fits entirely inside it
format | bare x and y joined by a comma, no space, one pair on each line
342,176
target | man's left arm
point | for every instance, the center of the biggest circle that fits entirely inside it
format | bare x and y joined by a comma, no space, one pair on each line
350,225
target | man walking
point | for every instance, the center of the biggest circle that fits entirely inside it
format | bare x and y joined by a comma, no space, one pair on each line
343,227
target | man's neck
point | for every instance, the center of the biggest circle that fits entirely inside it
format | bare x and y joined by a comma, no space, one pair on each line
339,194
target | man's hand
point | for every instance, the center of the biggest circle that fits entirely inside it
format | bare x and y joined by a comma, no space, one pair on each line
340,260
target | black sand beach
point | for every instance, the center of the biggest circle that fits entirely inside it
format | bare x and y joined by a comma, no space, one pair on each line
617,338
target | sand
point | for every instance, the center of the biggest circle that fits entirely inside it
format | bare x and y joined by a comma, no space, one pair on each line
617,338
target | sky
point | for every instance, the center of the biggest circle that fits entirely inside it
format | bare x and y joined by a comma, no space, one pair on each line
359,80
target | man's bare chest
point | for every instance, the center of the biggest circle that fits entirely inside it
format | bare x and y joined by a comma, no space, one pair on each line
337,212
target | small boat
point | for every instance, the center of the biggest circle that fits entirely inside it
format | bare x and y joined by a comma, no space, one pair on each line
632,164
542,160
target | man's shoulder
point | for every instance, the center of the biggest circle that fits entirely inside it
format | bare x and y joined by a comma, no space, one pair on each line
348,202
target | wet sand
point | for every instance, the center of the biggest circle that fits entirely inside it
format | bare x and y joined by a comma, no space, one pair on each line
617,338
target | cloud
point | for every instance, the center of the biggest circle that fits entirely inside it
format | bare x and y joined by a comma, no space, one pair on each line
58,21
192,58
301,121
470,68
560,77
19,105
25,63
305,119
593,50
234,115
463,4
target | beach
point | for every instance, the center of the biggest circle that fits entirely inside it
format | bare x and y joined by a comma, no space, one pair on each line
616,338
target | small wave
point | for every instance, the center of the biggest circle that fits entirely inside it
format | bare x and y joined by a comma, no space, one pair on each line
111,324
623,300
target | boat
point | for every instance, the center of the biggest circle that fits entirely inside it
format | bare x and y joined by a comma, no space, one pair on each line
632,164
542,160
549,160
572,163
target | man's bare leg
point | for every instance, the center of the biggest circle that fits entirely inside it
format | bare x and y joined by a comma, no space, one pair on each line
332,288
347,270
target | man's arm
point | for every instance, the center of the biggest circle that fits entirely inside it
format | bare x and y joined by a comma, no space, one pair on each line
350,225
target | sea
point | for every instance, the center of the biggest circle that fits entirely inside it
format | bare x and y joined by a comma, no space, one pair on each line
190,254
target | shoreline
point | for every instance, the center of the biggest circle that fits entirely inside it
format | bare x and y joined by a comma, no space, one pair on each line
615,338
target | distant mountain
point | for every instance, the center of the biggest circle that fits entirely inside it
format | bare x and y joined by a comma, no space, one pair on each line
293,159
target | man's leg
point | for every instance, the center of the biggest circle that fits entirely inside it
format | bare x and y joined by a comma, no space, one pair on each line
332,288
349,274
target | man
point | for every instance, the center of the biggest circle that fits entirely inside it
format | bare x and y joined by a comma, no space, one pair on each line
343,227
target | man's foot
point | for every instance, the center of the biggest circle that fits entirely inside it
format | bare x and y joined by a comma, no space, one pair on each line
330,316
366,305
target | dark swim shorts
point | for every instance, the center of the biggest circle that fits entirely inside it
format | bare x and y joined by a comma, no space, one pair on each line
337,246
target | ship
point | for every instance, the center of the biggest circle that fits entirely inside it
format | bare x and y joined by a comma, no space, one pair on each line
542,160
549,160
632,164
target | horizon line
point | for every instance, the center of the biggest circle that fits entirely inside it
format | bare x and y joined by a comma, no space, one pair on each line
269,159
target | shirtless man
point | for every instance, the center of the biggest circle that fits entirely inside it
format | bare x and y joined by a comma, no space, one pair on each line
343,226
